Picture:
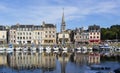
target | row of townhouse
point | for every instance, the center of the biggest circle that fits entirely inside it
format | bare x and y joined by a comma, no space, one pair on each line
92,35
44,34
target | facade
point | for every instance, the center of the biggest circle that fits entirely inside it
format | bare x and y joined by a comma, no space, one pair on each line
81,36
91,36
64,35
37,34
64,38
3,35
49,34
94,34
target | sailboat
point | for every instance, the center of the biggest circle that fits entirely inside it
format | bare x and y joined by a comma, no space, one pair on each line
10,48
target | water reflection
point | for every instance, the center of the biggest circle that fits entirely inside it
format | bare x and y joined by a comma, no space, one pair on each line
48,62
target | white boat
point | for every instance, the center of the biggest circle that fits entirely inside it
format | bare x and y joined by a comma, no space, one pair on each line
106,47
84,49
78,50
33,48
2,48
48,48
117,49
9,49
65,48
64,51
25,49
18,48
55,48
41,49
90,49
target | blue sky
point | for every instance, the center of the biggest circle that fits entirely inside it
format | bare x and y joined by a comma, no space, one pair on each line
78,13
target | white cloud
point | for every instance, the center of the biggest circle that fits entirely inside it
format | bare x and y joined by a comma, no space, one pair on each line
52,13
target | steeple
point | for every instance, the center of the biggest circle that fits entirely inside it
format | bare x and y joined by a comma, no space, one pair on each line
63,22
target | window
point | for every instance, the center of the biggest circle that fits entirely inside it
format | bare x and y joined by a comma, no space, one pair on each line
97,36
98,33
27,33
20,37
30,33
26,29
91,33
45,35
94,33
17,37
29,37
23,37
90,36
23,33
94,36
3,36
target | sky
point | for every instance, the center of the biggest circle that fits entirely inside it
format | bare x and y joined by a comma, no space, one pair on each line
78,13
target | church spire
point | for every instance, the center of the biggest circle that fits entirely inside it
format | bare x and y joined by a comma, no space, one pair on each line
63,22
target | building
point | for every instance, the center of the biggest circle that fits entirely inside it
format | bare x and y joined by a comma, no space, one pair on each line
81,36
3,35
44,34
49,34
94,34
90,36
64,35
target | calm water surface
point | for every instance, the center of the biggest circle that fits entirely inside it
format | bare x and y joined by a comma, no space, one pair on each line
34,62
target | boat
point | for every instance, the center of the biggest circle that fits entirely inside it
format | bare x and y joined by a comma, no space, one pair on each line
10,48
56,49
64,48
106,47
84,49
90,49
40,49
18,48
2,48
33,48
25,49
48,49
117,49
78,50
